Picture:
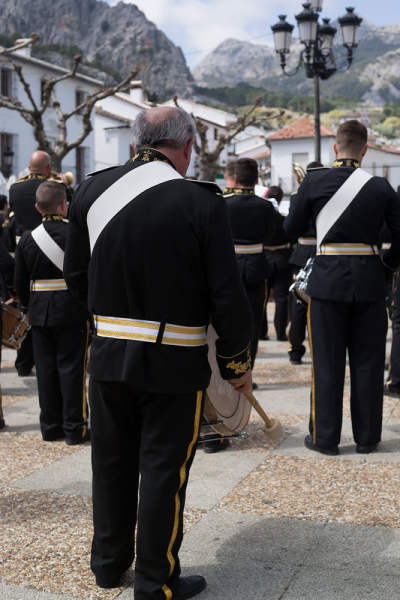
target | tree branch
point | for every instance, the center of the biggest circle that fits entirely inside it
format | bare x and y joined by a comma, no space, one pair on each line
52,81
27,87
33,39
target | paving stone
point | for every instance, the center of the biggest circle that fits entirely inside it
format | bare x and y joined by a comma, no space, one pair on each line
23,417
15,592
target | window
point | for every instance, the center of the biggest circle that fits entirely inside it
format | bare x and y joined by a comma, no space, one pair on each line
6,83
82,163
8,142
215,133
80,97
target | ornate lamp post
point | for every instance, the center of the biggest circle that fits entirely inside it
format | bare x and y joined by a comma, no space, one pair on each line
317,55
8,160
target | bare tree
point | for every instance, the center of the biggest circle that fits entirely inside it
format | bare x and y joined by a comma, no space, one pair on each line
207,157
32,39
34,114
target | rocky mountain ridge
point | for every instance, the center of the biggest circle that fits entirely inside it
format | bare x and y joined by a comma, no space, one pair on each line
374,77
113,40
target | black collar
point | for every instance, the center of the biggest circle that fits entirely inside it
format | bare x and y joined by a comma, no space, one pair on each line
55,217
347,162
146,155
238,191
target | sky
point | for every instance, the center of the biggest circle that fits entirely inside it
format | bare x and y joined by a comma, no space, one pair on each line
199,26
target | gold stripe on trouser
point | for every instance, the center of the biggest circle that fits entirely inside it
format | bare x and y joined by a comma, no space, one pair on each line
313,372
1,404
182,474
84,397
266,298
395,283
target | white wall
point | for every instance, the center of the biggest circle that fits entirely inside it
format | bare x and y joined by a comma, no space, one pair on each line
12,123
375,160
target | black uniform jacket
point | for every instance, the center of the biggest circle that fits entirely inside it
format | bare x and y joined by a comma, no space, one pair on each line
252,219
348,278
45,308
302,252
7,264
278,259
167,254
22,203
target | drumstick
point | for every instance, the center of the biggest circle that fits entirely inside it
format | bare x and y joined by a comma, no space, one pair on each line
273,427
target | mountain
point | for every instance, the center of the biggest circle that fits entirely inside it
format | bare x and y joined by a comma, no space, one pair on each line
374,77
112,40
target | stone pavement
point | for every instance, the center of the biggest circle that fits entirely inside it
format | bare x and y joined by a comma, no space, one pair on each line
264,520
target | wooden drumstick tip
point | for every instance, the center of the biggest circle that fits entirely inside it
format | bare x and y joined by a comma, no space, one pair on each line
273,427
276,431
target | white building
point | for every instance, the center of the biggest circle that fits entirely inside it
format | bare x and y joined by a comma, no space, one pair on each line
113,116
295,144
16,133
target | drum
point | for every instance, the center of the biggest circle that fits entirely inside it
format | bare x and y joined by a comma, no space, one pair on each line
299,288
15,326
226,411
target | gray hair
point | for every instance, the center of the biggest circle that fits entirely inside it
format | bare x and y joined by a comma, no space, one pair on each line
174,130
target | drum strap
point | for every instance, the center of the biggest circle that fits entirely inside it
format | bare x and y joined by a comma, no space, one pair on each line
336,206
123,191
48,246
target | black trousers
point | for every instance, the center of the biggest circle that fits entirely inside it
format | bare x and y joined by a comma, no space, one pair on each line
25,361
360,327
60,357
155,435
393,381
256,293
297,331
1,395
280,282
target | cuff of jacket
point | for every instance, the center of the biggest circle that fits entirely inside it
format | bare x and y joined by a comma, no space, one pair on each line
236,366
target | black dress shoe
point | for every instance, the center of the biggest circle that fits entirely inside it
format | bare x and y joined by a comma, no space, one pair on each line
107,583
74,441
216,445
25,373
366,449
328,450
2,423
189,587
387,392
293,361
255,385
283,338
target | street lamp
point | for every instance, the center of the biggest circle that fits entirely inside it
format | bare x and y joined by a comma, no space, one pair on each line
8,160
317,55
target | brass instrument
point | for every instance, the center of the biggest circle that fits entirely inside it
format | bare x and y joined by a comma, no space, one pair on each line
67,178
299,172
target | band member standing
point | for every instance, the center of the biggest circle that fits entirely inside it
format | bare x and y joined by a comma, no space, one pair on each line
347,287
305,249
252,220
60,324
25,217
278,249
164,247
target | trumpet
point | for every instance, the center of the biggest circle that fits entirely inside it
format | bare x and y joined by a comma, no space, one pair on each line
66,178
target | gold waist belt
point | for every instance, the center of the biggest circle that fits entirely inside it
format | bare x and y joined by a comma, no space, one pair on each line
386,246
347,250
48,285
283,247
147,331
307,241
249,249
17,238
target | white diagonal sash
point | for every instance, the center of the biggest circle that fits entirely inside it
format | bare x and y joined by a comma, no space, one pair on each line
339,202
123,191
48,246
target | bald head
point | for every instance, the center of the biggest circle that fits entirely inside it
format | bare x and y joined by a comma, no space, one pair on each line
163,127
40,162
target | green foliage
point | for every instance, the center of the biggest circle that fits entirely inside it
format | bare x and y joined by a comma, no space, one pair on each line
392,110
244,94
391,127
151,96
105,26
8,41
116,41
97,64
40,50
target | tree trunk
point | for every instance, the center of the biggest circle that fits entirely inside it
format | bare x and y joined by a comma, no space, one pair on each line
56,162
206,168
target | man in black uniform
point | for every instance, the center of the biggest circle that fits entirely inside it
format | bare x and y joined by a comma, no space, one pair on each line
348,289
152,255
60,324
278,249
305,249
252,220
25,217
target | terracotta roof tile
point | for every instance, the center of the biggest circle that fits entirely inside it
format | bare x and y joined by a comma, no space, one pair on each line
304,128
114,117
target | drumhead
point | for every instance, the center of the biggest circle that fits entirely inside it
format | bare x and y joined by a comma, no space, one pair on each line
222,401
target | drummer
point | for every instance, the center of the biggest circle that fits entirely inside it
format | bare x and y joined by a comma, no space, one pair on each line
7,265
60,324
